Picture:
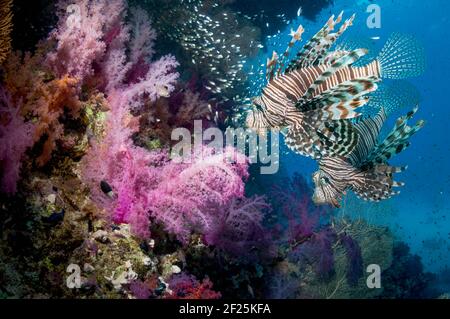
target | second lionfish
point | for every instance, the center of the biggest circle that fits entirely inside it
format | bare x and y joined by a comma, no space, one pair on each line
366,170
319,91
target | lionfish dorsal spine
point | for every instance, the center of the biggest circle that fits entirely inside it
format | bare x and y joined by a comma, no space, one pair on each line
317,48
271,65
296,36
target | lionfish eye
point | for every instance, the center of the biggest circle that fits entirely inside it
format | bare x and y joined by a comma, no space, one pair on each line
324,180
258,106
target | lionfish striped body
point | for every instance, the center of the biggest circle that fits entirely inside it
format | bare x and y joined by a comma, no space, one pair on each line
366,170
320,91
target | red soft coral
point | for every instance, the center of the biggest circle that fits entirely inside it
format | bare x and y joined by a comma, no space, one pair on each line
53,100
184,286
42,97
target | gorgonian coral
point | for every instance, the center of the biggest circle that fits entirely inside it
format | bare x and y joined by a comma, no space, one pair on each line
5,28
302,219
354,256
310,242
238,229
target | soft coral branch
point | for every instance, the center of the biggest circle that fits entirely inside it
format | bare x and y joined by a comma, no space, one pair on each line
81,35
16,136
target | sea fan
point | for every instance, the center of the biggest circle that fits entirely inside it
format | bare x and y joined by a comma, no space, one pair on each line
5,28
355,262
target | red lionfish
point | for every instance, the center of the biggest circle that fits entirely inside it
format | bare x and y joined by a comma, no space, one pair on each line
319,91
365,170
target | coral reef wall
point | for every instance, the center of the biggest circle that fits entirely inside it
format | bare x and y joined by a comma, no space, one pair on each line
88,184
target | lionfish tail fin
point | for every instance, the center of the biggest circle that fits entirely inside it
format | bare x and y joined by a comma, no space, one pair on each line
392,97
398,140
402,57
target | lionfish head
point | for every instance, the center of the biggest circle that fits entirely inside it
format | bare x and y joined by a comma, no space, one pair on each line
256,119
324,192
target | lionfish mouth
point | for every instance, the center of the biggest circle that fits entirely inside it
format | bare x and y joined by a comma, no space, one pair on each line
332,201
335,203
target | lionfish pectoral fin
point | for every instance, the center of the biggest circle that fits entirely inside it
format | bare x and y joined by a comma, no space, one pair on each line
341,63
335,203
300,141
322,139
398,184
341,101
271,66
352,43
338,138
396,141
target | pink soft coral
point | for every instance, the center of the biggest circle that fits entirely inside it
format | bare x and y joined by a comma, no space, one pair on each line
134,73
185,198
16,136
95,45
81,34
192,197
126,167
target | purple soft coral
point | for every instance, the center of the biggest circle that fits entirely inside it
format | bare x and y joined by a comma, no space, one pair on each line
16,136
303,218
238,229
